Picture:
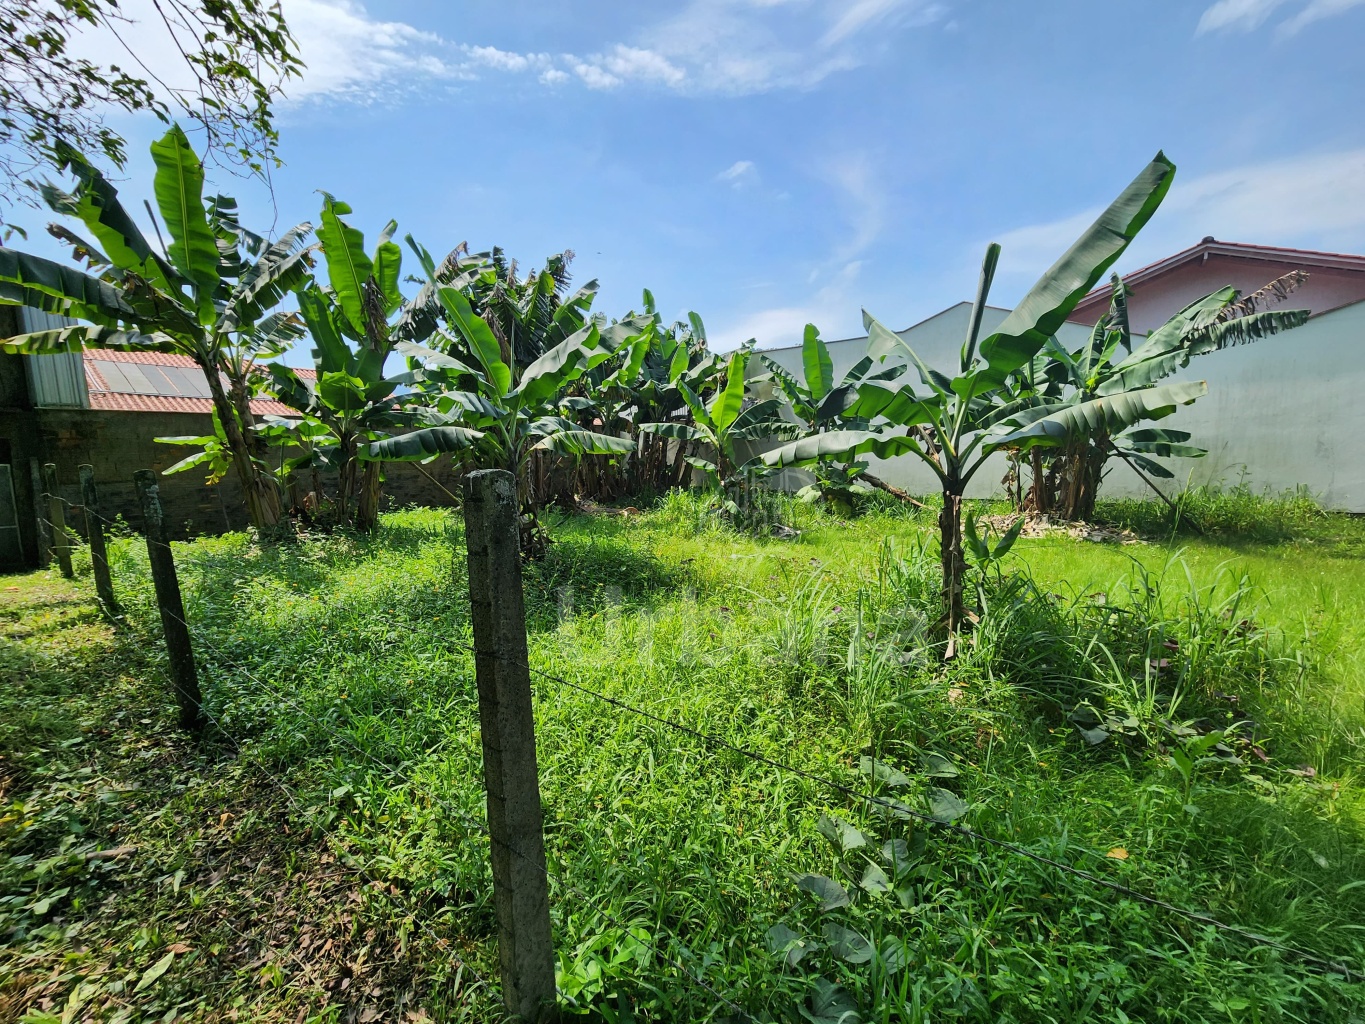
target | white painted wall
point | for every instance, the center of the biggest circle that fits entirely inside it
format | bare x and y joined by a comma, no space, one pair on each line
1285,412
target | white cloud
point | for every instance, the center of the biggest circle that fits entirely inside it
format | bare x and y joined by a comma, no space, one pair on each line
1313,201
349,53
783,325
506,60
708,47
1244,15
863,197
1248,15
739,174
861,13
748,46
593,76
1317,10
630,62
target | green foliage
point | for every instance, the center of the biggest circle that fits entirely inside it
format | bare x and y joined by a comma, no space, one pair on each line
1233,513
959,422
492,414
1086,402
338,665
238,53
720,428
207,299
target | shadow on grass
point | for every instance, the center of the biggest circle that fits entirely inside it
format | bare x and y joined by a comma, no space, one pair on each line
592,572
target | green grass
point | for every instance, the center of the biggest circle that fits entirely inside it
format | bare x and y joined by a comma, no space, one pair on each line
314,857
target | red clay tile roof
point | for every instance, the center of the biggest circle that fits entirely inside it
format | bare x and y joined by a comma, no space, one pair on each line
110,355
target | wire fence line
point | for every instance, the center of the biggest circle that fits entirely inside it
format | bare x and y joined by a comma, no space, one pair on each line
337,843
896,807
481,827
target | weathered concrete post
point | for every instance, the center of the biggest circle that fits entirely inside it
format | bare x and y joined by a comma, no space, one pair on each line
184,677
56,515
35,476
94,529
520,886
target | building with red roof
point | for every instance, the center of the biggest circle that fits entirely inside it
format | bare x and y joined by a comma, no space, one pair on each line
106,409
1281,413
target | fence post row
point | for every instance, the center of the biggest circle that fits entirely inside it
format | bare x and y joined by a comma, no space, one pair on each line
173,625
520,885
94,529
56,515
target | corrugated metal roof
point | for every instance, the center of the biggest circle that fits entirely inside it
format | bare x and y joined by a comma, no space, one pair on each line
114,401
54,379
159,382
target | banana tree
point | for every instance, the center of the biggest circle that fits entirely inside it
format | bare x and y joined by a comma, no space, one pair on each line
206,296
532,314
723,425
1066,477
642,387
350,398
821,404
363,305
956,423
492,414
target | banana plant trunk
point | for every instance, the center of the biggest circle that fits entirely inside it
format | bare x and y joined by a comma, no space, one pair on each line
952,560
1081,471
262,500
367,505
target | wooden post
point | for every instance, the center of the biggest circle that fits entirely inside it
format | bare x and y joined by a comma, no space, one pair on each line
35,475
520,886
56,515
94,530
173,624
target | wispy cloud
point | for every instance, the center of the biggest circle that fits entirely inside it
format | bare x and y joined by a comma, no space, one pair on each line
1248,15
861,14
783,325
862,195
739,174
1317,10
1313,201
627,64
1243,15
708,47
748,46
349,53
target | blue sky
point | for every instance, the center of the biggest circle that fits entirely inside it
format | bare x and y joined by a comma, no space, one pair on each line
773,162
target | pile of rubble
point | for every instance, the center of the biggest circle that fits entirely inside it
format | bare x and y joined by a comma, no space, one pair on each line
1043,526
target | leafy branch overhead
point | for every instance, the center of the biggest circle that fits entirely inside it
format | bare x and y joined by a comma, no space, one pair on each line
238,53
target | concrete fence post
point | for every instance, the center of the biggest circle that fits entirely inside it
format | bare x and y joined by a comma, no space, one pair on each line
44,528
520,886
56,515
174,626
94,530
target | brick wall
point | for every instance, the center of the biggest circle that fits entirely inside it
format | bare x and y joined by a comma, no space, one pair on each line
117,444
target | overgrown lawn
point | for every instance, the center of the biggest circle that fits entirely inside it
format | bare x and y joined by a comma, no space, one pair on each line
320,855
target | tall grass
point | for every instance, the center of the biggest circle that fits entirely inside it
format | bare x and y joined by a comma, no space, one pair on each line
1234,512
341,665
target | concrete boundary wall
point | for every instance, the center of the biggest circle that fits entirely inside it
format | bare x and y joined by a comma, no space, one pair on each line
1285,412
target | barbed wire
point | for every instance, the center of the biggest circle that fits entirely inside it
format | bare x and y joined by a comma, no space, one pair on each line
898,807
894,806
592,901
